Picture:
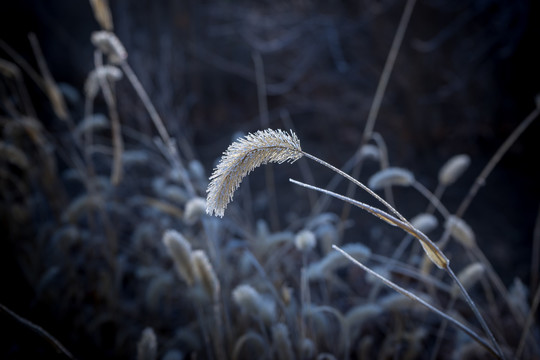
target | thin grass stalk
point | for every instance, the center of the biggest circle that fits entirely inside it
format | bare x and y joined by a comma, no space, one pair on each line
158,123
302,163
535,256
379,92
476,312
381,145
432,198
51,88
530,319
118,143
59,348
414,297
481,179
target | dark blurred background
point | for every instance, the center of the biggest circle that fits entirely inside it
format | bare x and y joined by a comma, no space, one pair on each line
466,75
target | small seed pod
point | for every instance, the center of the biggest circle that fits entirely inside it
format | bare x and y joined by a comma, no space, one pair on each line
282,342
370,152
425,222
305,240
206,274
469,276
195,208
107,73
147,345
250,301
110,45
453,169
389,177
461,231
180,251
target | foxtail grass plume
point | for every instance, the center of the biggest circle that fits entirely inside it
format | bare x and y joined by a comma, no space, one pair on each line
242,157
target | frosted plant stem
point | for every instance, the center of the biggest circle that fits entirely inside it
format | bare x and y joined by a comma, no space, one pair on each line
118,143
433,199
474,308
158,123
528,323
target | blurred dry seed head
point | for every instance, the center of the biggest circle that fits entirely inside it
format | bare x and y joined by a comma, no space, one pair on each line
308,349
173,354
357,316
305,240
254,304
461,231
206,274
173,193
14,155
281,342
328,235
426,223
398,302
103,73
390,177
110,45
102,13
453,169
195,208
82,204
180,251
242,157
519,295
334,260
469,277
159,286
8,69
370,152
135,157
92,123
147,345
